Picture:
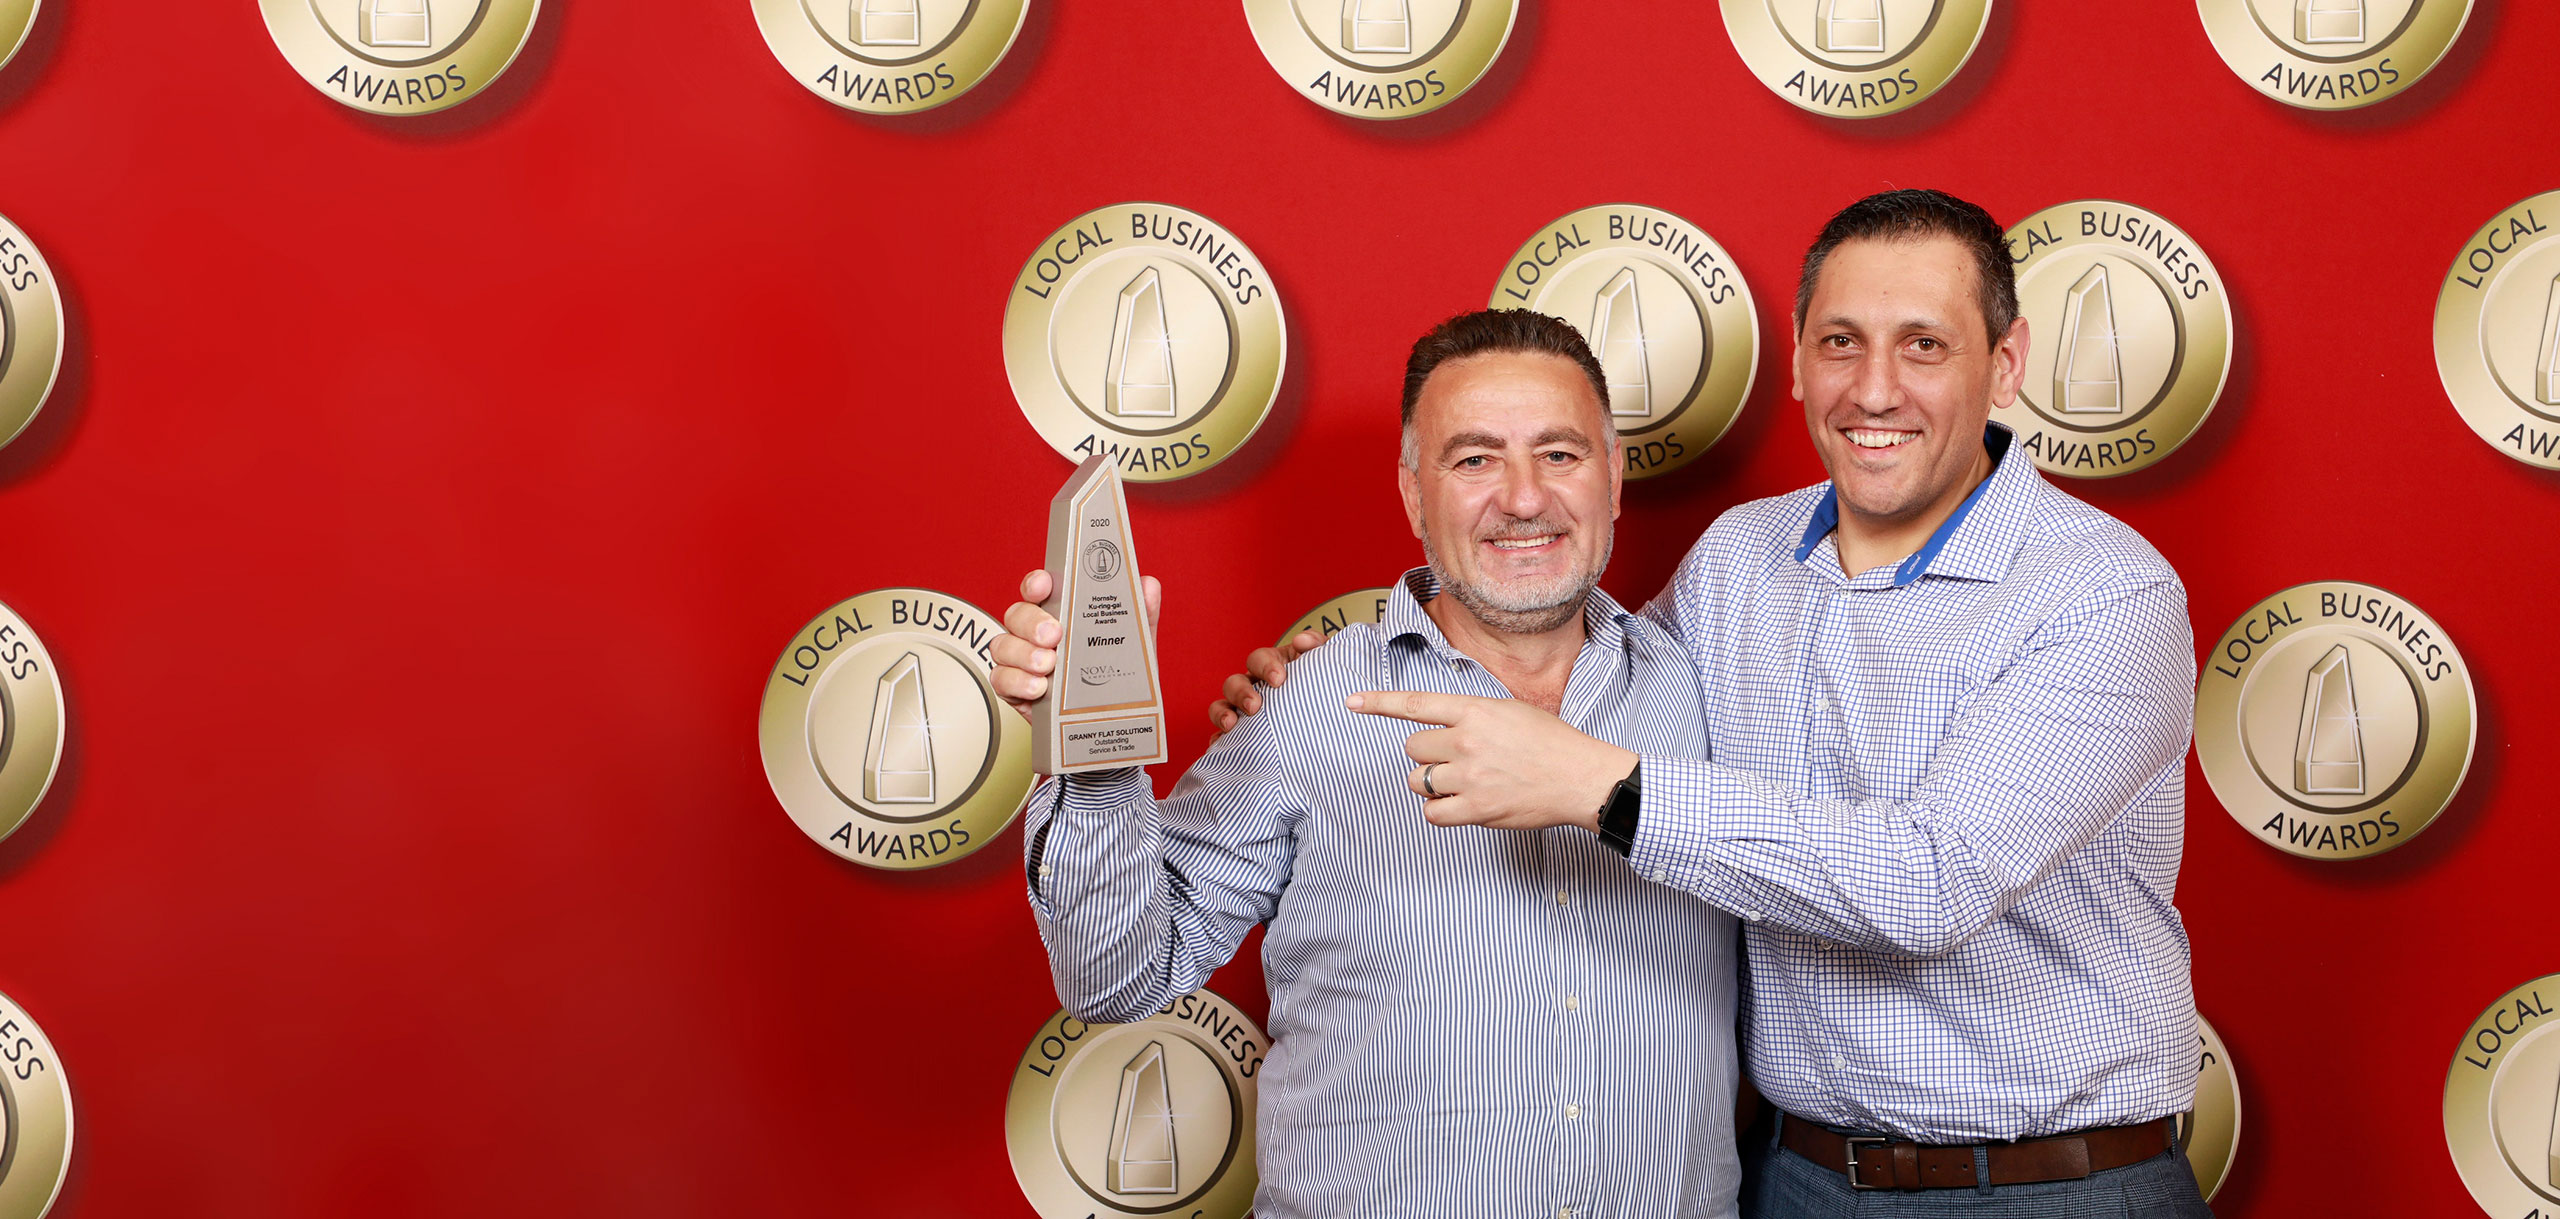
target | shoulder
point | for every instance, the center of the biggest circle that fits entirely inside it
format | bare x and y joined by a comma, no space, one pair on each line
2067,538
1755,533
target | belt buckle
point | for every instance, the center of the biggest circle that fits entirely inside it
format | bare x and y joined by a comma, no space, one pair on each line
1853,1141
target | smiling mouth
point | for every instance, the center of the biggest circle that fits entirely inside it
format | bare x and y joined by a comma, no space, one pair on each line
1877,438
1531,543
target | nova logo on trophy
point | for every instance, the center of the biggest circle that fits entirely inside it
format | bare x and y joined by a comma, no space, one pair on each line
400,56
882,738
1381,59
1664,310
2497,332
2335,720
1146,333
1855,58
2130,337
35,1117
890,56
1156,1118
2332,54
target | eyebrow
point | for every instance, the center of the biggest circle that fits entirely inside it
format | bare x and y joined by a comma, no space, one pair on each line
1905,327
1558,434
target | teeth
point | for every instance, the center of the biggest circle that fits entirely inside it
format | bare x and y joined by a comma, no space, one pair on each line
1870,438
1522,543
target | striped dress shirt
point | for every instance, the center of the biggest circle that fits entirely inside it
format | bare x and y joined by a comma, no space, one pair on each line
1947,800
1464,1021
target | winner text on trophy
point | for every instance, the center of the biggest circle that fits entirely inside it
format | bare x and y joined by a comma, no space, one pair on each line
1104,707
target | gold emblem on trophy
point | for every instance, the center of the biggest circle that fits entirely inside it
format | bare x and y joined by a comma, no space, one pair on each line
2498,332
2130,337
1665,311
35,1117
882,738
1119,1121
2332,54
890,56
2335,720
1148,334
400,56
1381,59
1855,58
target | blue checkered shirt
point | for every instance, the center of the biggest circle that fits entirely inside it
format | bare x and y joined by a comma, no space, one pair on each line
1947,800
1464,1021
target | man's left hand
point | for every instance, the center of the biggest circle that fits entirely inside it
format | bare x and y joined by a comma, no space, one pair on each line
1500,762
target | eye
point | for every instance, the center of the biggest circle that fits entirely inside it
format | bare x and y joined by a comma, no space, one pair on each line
1476,462
1560,457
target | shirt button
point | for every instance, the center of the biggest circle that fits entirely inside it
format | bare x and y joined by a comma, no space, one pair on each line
1044,869
1572,1003
1572,1111
1560,897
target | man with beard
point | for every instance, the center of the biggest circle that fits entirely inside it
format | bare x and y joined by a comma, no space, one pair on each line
1464,1021
1948,707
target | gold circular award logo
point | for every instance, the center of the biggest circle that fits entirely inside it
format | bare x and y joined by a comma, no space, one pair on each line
2211,1131
30,331
2498,332
1148,333
2335,720
400,56
1665,311
1124,1121
2502,1103
1855,58
882,738
1359,605
2129,337
30,721
1381,59
890,56
2332,54
35,1117
16,18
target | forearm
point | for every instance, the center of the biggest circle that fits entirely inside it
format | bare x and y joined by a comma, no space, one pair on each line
1895,877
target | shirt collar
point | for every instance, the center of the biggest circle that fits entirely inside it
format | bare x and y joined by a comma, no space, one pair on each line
1603,617
1980,553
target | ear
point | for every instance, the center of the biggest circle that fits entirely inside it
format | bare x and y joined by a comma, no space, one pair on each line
1617,470
1795,363
1409,485
2009,364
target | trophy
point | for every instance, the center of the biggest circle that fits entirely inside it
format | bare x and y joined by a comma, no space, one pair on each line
1104,707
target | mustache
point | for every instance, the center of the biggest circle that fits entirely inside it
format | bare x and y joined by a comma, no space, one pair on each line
1538,528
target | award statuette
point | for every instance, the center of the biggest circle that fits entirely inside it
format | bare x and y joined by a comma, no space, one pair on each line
1104,707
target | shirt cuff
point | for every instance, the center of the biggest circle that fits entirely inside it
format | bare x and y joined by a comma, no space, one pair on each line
1071,820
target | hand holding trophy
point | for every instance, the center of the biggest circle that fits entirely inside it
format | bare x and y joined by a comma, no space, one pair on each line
1081,664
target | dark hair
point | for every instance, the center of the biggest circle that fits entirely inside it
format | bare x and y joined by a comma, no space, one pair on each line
1486,331
1912,215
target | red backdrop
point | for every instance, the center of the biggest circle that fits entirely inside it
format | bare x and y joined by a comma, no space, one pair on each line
424,503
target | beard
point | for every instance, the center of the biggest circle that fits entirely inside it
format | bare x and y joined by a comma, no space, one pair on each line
1528,606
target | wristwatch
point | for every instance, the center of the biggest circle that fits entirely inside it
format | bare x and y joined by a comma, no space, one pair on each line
1618,814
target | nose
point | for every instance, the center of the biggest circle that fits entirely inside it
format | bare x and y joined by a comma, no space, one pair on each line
1878,387
1524,492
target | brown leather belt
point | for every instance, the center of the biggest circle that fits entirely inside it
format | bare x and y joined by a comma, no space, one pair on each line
1880,1163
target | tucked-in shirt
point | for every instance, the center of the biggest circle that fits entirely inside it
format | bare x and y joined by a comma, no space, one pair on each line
1464,1021
1947,798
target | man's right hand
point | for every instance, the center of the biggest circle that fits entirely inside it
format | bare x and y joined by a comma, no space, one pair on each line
1269,666
1027,653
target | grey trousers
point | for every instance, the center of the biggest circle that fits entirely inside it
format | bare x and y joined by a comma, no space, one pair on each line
1779,1184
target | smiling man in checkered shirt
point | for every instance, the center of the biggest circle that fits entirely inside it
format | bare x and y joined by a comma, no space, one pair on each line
1948,709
